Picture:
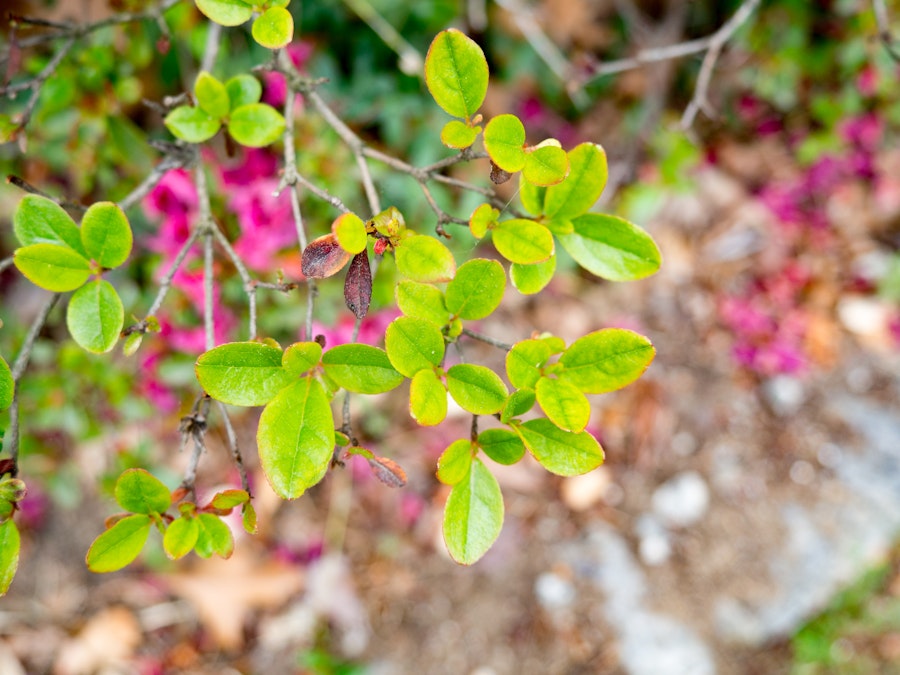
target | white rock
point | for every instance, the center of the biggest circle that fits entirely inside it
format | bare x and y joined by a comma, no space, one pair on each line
682,500
553,591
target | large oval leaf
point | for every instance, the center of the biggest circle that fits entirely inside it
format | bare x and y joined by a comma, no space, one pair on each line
582,187
106,234
139,491
473,515
226,12
561,452
10,542
504,140
120,544
256,125
477,389
423,258
191,124
427,398
545,165
95,316
606,360
296,438
242,373
523,241
563,403
456,73
274,28
361,368
413,345
611,247
524,362
531,279
7,385
501,445
38,220
476,290
422,301
242,89
52,267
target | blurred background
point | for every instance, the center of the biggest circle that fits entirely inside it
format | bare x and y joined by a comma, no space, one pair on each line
747,515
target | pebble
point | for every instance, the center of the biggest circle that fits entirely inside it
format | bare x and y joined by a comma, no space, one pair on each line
785,394
655,547
553,591
682,500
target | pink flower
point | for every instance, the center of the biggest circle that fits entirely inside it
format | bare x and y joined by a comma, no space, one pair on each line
266,222
371,330
274,85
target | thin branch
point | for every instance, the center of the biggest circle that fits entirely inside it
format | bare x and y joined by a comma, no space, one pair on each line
411,62
166,282
235,449
884,29
6,262
489,340
250,285
36,83
173,160
28,187
193,426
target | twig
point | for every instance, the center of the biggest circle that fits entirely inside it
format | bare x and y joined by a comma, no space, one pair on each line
235,449
36,83
250,285
28,187
6,262
194,426
411,62
489,340
169,162
166,282
884,29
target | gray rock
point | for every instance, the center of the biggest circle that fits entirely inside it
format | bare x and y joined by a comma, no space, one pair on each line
682,500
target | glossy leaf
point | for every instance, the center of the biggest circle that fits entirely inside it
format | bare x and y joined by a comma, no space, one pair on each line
473,515
476,290
191,124
501,445
255,125
611,247
180,537
477,389
10,543
52,267
504,140
581,189
413,344
38,220
226,12
561,452
547,165
524,361
120,544
532,197
296,438
106,234
301,357
423,258
242,373
248,518
95,316
242,89
358,285
323,257
228,499
213,536
212,97
563,403
274,28
7,385
456,461
456,73
139,491
360,368
518,403
531,279
427,398
523,241
459,135
606,360
483,218
422,301
350,232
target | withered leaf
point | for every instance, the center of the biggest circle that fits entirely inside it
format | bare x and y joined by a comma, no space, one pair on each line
387,471
358,285
498,175
323,257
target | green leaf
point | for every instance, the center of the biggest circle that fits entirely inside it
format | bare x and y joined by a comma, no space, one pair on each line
120,544
132,344
455,462
606,360
255,125
191,124
228,499
52,267
360,368
296,438
545,165
476,290
248,518
532,197
139,491
456,73
524,362
563,403
10,542
225,12
242,373
180,537
459,135
501,445
38,220
106,234
413,344
242,90
483,218
561,452
531,279
7,385
518,403
95,316
301,357
213,536
212,96
477,389
581,189
523,241
422,301
350,232
427,398
473,516
424,258
611,247
274,28
504,140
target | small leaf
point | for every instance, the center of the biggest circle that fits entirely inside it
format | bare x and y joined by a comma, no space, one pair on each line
52,267
473,515
547,165
301,357
563,403
132,343
10,543
180,537
459,135
424,258
456,73
476,290
139,491
38,220
504,140
387,471
606,360
228,499
477,389
296,438
413,345
531,279
350,232
360,368
422,301
242,90
582,187
524,362
120,544
213,536
561,452
225,12
501,445
358,285
456,461
212,97
518,403
255,125
274,28
323,257
523,241
12,490
248,518
191,124
242,373
427,398
612,248
7,385
483,218
95,316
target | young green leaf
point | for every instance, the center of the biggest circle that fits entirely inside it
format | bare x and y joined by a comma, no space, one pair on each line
212,97
242,373
350,232
504,140
38,220
518,403
563,403
7,385
459,135
606,360
477,389
456,460
545,165
228,499
582,187
427,398
106,234
523,241
456,73
483,218
524,361
191,124
360,368
226,12
501,445
213,536
301,357
323,257
473,515
611,247
248,518
256,125
423,258
476,290
139,491
95,316
242,90
358,285
422,301
561,452
413,345
296,438
180,537
52,267
120,544
531,279
274,28
10,542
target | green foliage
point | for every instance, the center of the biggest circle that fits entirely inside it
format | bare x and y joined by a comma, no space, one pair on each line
273,28
10,543
7,385
456,73
120,544
473,516
423,258
95,316
476,290
242,373
360,368
140,492
413,344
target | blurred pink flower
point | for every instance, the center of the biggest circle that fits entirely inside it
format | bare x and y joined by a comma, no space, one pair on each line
266,222
371,330
274,85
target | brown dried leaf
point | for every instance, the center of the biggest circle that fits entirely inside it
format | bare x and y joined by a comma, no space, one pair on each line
358,285
498,175
387,471
323,257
